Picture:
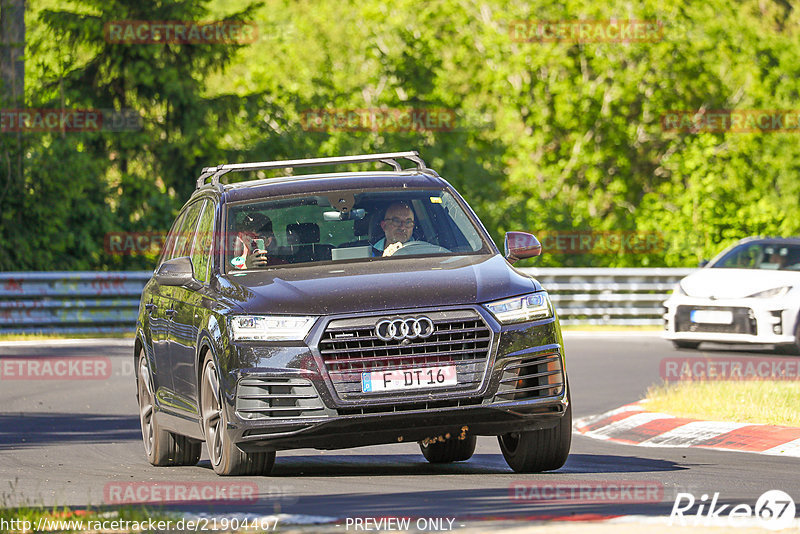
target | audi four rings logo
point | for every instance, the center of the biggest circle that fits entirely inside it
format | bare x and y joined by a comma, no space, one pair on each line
399,329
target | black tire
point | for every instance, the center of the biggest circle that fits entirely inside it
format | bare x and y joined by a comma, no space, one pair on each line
538,450
162,448
226,458
791,348
449,450
686,344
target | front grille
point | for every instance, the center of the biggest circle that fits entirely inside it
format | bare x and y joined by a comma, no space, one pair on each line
530,378
350,347
744,322
264,397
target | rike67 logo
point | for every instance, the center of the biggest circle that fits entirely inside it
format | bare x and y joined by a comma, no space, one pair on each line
774,510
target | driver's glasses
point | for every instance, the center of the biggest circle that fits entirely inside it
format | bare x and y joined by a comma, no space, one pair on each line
397,223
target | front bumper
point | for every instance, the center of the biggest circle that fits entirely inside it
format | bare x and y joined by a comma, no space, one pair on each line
341,432
522,387
760,321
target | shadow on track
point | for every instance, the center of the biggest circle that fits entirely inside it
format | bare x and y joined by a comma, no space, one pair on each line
38,429
362,465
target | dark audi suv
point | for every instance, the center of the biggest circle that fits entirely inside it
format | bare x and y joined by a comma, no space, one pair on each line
340,310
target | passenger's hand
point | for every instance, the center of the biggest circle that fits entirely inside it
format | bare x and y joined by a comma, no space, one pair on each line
391,249
257,259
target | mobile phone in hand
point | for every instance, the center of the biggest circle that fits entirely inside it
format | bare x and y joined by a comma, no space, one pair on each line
259,244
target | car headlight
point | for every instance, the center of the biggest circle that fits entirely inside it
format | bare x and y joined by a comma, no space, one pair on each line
520,309
270,327
769,293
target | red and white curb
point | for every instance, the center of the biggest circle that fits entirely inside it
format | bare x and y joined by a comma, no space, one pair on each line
634,425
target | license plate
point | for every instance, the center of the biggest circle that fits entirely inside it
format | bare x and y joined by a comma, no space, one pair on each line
402,379
711,316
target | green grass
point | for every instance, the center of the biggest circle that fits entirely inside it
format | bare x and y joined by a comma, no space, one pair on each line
15,518
757,401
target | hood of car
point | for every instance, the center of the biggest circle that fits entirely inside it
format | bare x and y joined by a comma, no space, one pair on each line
736,283
398,283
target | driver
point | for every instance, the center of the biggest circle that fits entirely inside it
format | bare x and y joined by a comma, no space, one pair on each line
398,226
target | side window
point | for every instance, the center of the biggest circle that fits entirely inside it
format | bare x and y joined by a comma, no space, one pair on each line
169,244
201,251
183,243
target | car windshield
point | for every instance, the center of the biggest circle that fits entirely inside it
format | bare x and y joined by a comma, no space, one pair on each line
775,256
348,226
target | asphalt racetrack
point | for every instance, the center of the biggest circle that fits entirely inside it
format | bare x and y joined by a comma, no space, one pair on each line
65,442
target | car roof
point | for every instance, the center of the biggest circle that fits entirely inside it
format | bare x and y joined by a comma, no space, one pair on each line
770,240
320,183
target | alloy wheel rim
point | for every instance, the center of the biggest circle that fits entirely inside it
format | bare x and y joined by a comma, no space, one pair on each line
146,406
212,413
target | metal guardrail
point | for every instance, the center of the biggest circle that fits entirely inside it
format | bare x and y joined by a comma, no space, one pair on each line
609,296
90,302
70,302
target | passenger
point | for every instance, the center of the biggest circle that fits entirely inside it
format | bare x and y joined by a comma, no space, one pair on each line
247,254
398,227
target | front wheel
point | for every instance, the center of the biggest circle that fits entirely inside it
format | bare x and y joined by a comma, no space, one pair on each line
162,448
226,458
538,450
792,348
449,450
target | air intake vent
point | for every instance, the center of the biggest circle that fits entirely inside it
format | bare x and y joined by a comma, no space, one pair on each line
530,378
277,398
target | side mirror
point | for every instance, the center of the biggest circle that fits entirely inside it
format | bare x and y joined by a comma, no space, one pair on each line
520,245
177,272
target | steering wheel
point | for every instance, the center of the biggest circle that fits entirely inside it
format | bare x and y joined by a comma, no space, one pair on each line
419,247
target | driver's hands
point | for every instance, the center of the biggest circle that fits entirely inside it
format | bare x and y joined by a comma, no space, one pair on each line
257,259
391,249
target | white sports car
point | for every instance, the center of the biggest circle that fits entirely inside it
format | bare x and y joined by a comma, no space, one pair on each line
750,293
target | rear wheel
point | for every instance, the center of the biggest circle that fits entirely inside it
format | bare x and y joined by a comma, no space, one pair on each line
538,450
226,457
686,344
163,448
449,450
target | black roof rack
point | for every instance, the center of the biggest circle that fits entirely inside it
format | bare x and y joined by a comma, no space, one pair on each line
389,158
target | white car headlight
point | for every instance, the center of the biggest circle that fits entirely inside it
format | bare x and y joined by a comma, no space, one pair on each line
520,309
270,327
769,293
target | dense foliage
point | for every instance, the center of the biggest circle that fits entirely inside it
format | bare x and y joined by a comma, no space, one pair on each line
548,136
